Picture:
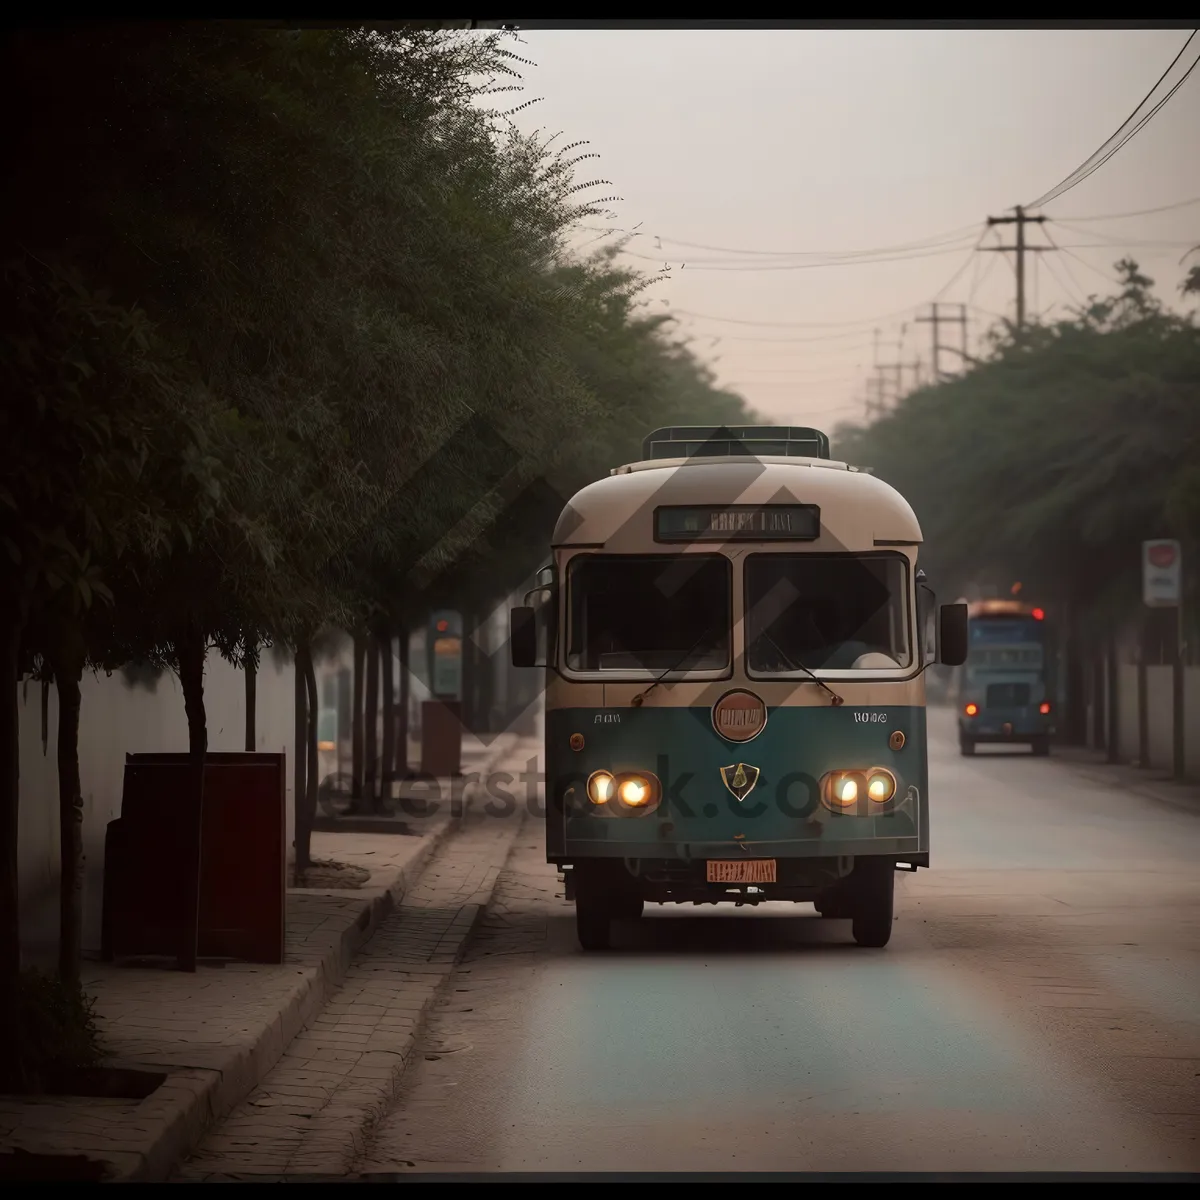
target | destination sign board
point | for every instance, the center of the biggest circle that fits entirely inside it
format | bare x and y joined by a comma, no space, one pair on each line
738,522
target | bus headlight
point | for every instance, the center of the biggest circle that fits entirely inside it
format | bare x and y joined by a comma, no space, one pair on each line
850,791
638,792
600,787
841,790
881,785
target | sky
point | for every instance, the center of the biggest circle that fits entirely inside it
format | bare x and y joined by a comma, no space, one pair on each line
742,157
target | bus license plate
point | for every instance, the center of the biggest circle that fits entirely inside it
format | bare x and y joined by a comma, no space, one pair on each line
742,870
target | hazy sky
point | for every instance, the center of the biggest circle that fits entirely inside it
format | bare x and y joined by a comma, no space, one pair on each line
775,148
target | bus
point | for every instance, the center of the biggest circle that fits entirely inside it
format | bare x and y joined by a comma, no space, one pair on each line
732,634
1003,687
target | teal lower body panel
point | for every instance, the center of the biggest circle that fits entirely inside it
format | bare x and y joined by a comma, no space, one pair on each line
700,816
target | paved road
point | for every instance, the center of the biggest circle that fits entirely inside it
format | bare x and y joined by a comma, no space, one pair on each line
1038,1008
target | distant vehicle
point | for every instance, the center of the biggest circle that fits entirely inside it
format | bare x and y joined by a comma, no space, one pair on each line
1003,688
731,631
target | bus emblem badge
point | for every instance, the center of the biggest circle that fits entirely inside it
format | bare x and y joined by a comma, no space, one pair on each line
739,716
739,779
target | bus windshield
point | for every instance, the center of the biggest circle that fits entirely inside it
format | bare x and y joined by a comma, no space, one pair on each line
833,612
649,612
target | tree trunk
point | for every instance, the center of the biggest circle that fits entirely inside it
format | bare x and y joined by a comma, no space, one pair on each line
304,822
14,607
250,666
68,671
470,675
487,685
356,720
371,720
300,762
388,683
1112,698
402,706
190,651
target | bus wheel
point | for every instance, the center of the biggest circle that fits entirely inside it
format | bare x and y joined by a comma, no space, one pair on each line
1041,747
629,908
593,923
966,747
874,898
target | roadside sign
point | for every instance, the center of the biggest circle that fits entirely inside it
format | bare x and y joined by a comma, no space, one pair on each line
1162,573
445,655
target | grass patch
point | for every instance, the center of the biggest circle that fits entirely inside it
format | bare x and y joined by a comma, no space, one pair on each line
58,1033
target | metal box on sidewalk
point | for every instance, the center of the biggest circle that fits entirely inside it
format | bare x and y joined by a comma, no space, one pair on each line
441,738
193,872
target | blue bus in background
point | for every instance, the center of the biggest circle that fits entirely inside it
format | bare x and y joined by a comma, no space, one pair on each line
1004,688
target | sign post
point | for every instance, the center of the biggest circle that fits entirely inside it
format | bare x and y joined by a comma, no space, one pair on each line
1162,587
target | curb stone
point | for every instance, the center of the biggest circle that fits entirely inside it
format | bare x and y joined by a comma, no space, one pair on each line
191,1099
338,1132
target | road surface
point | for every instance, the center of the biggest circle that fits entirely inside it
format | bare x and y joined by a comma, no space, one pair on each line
1038,1008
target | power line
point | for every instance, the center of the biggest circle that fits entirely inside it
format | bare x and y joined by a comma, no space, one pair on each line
1142,212
1114,239
1094,161
862,321
939,239
802,266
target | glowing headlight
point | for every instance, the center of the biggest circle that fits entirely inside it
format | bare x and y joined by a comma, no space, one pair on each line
841,790
844,791
600,787
637,792
881,785
634,793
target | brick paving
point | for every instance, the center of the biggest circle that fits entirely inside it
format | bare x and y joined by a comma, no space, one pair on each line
337,1078
218,1032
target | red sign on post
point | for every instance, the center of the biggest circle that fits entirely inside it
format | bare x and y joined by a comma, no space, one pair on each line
1162,575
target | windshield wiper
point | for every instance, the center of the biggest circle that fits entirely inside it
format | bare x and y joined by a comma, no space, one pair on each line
835,699
636,702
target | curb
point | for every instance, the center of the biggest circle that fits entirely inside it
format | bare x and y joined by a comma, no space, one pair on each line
191,1100
1159,791
374,1111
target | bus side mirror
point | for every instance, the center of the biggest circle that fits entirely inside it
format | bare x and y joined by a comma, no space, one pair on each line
952,635
522,636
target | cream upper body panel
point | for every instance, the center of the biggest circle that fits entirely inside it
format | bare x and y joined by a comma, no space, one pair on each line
858,511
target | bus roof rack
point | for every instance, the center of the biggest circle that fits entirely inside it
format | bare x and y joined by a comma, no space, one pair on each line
693,441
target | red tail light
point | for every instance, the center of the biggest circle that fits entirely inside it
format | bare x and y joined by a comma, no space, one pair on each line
971,709
1045,707
1038,615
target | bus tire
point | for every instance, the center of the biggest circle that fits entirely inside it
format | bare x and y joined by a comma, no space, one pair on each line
629,908
1040,746
966,747
874,902
593,923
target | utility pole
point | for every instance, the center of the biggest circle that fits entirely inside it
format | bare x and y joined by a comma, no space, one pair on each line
935,319
1020,220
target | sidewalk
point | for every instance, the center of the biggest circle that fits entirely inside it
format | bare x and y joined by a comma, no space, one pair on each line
216,1034
1151,782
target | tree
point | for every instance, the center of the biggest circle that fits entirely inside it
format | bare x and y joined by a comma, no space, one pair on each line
1014,468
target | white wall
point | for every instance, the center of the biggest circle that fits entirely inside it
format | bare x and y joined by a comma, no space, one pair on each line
118,719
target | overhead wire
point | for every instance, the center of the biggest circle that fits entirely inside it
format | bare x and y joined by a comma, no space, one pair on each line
1142,212
1100,156
923,243
798,266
